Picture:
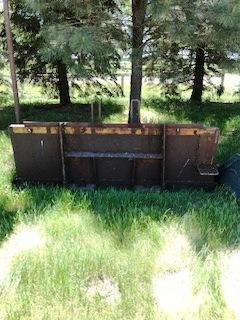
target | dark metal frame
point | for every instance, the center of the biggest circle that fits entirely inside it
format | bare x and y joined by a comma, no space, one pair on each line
164,155
11,59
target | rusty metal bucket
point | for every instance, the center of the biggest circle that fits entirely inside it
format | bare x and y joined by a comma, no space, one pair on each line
119,155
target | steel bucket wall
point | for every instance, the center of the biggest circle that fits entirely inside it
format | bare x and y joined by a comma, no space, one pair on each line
118,155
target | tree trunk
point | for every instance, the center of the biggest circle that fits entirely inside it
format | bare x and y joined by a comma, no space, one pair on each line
198,76
139,8
63,86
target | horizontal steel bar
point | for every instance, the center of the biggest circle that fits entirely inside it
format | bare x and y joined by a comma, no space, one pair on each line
83,130
195,182
157,130
181,131
113,155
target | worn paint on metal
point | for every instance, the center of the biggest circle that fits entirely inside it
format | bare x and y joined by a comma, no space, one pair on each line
179,131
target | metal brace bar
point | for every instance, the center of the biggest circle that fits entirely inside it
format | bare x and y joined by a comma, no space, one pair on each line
10,49
133,172
61,141
164,157
113,155
99,111
92,112
95,173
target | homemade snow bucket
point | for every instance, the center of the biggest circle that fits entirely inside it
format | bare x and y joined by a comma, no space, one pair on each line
118,155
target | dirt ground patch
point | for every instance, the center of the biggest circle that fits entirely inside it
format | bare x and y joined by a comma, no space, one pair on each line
105,288
173,292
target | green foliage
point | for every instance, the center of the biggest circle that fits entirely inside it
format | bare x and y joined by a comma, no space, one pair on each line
89,36
83,36
179,27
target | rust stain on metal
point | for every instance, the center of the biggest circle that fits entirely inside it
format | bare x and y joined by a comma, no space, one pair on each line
114,131
127,131
54,130
27,130
189,131
87,130
69,130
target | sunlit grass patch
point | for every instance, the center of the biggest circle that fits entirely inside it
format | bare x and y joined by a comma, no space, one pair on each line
172,280
230,282
77,255
23,240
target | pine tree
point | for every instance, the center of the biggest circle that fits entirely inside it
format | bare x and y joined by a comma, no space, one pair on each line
204,36
139,12
61,39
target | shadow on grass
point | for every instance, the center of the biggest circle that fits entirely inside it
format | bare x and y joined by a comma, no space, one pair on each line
229,145
214,215
215,114
7,220
55,112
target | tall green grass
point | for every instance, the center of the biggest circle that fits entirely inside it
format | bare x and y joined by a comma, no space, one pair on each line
131,238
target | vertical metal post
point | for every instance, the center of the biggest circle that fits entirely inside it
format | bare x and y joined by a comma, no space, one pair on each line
99,111
164,157
11,59
95,171
122,82
92,112
61,142
133,172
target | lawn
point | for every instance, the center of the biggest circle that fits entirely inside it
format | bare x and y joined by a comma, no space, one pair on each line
113,254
